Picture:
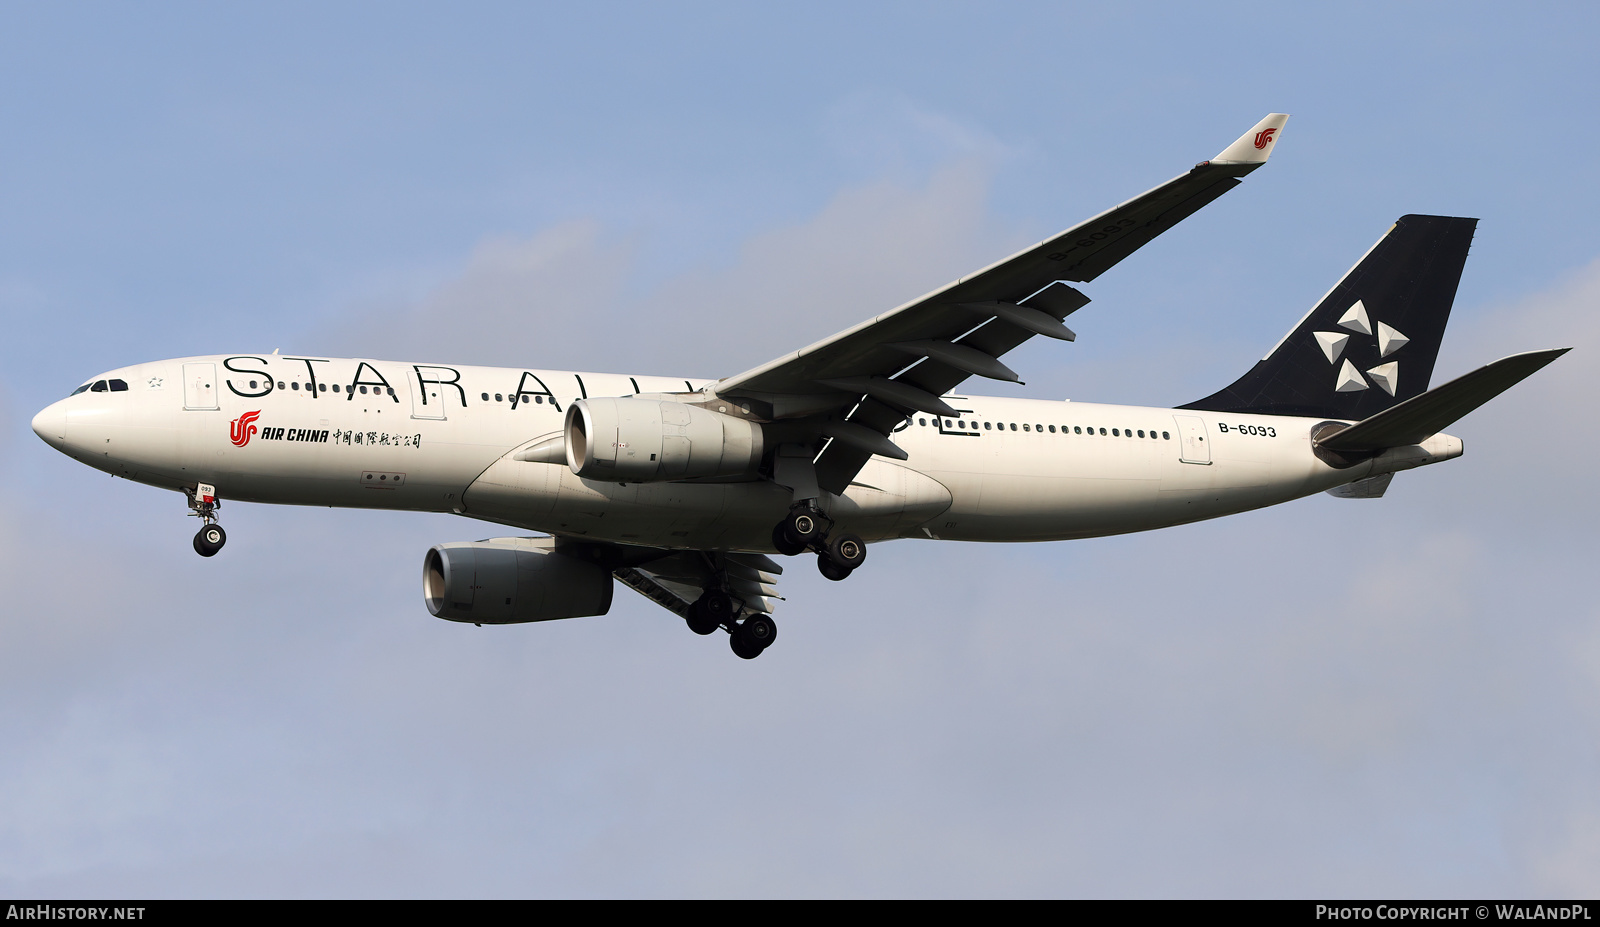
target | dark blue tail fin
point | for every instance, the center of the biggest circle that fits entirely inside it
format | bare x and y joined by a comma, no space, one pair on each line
1371,342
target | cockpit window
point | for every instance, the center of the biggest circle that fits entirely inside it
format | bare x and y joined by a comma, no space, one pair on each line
98,387
80,389
119,386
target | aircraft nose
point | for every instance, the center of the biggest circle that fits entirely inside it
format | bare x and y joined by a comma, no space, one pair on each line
51,424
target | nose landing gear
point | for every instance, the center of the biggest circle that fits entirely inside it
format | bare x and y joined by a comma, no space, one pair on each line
211,537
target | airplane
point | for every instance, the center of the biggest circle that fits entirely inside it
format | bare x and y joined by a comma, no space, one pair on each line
681,488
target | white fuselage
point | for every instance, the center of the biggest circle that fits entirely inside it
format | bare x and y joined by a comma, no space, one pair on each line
379,434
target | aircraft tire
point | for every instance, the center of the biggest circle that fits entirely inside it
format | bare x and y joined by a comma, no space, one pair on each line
743,647
784,544
830,569
802,527
209,539
847,551
759,630
710,611
699,622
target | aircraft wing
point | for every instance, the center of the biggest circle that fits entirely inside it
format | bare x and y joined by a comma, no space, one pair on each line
856,386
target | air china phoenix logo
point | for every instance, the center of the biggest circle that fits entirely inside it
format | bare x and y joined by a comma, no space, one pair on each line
1264,137
241,428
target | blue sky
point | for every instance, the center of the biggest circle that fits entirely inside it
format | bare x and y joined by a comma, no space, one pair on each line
1329,698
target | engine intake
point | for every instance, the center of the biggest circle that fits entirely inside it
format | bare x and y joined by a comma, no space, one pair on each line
512,580
627,440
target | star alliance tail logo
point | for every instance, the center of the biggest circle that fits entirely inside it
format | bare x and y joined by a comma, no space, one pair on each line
1264,137
241,428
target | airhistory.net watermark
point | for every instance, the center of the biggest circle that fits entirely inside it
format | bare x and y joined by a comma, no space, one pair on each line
51,912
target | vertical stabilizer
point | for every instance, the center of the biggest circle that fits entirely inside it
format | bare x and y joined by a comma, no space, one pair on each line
1372,341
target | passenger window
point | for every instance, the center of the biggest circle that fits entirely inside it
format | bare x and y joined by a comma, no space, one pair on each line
1102,432
295,385
1165,436
485,397
498,398
1052,429
1141,432
1013,426
322,387
1024,426
986,426
1077,429
280,384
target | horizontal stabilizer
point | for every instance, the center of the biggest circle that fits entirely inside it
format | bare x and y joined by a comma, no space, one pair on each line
1421,417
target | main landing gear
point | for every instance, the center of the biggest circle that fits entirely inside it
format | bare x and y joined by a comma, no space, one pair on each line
838,555
716,609
210,538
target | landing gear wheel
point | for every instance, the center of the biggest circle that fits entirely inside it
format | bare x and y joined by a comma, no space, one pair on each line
801,527
847,551
783,544
759,630
830,569
743,647
209,540
709,612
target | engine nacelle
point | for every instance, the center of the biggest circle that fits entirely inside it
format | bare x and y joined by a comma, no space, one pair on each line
512,580
631,440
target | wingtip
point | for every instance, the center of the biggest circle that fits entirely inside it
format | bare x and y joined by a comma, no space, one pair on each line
1255,146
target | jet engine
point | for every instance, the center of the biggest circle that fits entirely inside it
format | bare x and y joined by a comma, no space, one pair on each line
512,580
632,440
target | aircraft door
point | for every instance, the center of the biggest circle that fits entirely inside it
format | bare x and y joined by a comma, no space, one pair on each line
1192,434
200,386
432,388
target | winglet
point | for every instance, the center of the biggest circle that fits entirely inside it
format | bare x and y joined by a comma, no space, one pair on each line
1255,146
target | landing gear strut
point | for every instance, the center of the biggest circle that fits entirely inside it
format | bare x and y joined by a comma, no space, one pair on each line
211,537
